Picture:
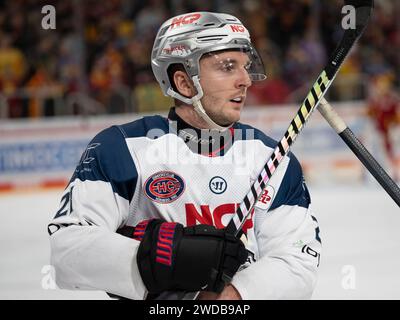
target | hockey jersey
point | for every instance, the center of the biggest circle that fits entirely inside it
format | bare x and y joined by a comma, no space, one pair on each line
159,167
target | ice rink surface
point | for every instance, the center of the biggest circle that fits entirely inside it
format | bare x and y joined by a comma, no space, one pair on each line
359,227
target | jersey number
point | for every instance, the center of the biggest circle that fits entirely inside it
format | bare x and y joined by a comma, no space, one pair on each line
66,204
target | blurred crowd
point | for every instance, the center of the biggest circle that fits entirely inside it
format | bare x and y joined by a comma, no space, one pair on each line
97,59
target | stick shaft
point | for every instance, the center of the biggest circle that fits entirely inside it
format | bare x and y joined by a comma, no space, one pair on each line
359,150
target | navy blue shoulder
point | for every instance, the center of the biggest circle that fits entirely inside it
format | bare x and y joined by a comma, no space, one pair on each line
249,133
146,126
107,158
293,190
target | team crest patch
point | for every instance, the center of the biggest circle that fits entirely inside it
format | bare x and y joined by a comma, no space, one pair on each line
266,198
164,187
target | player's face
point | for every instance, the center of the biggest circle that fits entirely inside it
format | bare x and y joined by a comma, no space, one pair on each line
224,78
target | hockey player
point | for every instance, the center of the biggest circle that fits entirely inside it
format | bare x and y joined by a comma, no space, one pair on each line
384,110
145,210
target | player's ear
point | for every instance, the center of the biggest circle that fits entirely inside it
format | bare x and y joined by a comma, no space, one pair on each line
184,84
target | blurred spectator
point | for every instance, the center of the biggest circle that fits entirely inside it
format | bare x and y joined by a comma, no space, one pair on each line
12,65
384,108
107,73
44,91
149,19
349,81
102,49
68,63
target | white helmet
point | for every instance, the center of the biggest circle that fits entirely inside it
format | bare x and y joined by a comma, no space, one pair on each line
184,39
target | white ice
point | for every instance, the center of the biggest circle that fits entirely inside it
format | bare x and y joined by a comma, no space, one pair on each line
359,230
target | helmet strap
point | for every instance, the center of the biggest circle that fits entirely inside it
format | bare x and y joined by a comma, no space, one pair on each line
198,107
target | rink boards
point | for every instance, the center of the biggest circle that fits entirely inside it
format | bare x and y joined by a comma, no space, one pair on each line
44,153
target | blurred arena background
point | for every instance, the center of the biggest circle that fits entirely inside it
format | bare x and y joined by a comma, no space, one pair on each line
59,87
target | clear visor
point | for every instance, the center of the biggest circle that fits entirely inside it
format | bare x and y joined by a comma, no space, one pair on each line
231,63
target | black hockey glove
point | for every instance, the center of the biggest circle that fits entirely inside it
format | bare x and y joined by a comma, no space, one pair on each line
174,257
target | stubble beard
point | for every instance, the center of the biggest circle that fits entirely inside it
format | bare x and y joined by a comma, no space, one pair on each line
218,115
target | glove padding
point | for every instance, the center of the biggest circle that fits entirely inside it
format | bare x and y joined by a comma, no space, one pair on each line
174,257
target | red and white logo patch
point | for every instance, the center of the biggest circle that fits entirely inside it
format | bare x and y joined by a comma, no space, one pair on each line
266,198
164,187
185,19
237,28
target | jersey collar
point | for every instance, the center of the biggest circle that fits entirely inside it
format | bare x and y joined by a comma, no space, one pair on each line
207,142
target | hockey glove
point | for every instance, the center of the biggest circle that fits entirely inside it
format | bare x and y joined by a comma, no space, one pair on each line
174,257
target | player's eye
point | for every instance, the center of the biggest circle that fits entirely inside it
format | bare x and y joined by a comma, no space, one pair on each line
228,66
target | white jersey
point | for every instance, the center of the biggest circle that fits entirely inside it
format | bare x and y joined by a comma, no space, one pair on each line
161,168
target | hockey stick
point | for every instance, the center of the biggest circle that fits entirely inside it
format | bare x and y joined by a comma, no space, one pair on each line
320,87
337,123
363,11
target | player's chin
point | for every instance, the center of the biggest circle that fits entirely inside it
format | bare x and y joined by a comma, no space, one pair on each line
234,112
232,116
